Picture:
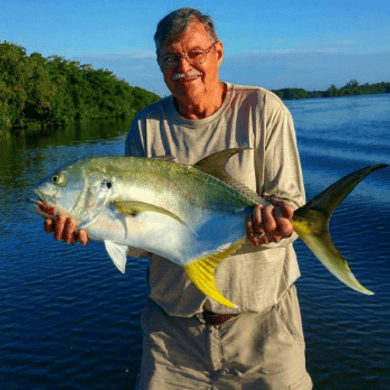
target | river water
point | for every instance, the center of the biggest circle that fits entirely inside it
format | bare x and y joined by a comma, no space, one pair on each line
69,320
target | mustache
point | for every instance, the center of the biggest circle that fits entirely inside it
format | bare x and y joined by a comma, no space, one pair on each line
191,73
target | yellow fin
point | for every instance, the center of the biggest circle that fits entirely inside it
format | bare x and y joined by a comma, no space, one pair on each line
326,251
201,273
135,208
311,223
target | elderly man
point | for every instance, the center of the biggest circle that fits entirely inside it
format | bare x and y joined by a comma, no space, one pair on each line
191,341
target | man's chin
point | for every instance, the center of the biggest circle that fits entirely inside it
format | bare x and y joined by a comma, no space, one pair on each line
188,90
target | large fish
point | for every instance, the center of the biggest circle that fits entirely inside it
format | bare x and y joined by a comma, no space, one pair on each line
191,215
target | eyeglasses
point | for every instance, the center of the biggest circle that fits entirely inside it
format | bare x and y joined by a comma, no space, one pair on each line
194,57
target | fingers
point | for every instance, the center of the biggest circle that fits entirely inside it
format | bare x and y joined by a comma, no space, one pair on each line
64,229
49,225
69,232
45,208
250,232
83,237
285,207
284,226
270,223
269,219
59,227
258,220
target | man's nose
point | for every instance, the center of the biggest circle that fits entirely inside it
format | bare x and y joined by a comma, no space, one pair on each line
184,65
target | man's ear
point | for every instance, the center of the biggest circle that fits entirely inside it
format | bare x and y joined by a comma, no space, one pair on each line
218,47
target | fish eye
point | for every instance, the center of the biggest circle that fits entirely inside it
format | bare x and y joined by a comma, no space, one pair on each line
107,184
58,179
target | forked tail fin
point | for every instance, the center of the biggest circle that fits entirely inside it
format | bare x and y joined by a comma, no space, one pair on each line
311,223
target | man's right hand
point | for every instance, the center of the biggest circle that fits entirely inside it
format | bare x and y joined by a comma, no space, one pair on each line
270,223
64,228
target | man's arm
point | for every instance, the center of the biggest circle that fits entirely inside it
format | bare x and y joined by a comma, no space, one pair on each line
283,182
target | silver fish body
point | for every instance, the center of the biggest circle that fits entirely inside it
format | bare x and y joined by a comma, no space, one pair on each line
191,215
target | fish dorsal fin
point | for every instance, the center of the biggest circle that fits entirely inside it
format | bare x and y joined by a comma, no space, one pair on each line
134,208
118,254
201,273
214,165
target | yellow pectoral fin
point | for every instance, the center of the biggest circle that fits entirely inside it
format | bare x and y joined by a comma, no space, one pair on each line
135,208
201,273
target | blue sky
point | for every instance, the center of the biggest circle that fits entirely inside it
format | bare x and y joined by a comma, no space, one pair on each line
273,44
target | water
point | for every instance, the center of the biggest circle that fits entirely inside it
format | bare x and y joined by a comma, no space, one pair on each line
69,320
347,335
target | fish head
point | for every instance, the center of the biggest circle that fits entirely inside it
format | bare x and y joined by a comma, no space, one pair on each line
62,190
78,191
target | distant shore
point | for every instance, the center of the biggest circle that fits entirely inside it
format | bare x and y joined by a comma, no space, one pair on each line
349,89
53,92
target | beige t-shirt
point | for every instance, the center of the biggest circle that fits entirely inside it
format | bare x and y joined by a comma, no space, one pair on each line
254,278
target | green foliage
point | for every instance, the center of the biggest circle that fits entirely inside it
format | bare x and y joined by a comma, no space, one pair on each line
332,91
349,89
53,91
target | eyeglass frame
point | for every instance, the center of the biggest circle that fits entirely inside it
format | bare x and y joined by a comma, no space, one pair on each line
185,56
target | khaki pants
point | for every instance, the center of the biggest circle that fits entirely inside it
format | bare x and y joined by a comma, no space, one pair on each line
250,351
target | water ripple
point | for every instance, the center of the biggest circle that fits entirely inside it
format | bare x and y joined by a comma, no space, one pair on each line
70,320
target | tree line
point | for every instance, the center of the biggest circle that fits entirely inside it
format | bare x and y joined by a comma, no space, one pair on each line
53,91
349,89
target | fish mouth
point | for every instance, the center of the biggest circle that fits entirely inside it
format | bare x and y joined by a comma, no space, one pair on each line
42,207
37,202
44,199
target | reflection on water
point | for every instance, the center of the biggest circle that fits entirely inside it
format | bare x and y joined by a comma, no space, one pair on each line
69,320
31,148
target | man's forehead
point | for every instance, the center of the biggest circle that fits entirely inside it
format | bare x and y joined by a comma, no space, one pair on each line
194,35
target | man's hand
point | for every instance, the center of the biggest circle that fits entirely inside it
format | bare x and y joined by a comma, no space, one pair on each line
270,223
64,228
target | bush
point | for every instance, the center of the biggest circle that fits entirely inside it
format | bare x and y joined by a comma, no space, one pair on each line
54,91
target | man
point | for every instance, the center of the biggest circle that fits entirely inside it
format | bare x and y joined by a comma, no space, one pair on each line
191,341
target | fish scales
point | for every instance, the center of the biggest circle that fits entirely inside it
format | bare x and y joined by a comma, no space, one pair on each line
185,184
192,216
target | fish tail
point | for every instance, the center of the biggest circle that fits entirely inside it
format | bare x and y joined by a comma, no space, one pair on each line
311,223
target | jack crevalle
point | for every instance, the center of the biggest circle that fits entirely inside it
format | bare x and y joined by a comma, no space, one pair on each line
191,215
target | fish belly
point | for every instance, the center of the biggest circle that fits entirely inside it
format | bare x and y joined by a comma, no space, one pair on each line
217,234
207,233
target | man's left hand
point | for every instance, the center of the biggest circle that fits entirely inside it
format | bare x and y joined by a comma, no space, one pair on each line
270,223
